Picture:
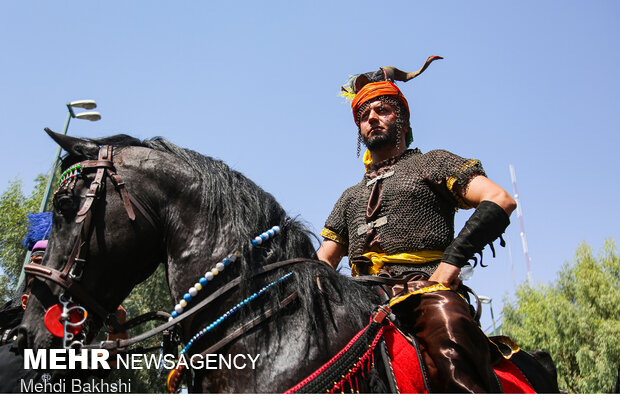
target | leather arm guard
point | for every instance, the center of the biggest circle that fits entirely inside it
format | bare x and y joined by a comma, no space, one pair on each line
486,224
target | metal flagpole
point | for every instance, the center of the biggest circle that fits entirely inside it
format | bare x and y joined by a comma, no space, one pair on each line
528,260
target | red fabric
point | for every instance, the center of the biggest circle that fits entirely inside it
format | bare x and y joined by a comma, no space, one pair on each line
408,372
511,378
405,362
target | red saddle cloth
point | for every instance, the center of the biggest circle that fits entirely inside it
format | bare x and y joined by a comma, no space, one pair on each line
409,376
511,378
405,362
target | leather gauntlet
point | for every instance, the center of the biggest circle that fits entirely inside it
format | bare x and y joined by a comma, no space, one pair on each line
486,224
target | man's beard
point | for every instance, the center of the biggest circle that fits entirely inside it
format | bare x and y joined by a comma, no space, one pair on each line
382,140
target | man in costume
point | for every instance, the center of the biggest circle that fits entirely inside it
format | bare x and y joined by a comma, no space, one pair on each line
398,222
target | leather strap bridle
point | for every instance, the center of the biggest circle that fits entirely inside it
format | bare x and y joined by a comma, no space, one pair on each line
68,277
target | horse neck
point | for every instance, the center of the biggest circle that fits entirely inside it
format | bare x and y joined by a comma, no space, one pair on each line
215,214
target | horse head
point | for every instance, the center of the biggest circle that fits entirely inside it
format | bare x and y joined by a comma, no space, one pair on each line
103,241
123,206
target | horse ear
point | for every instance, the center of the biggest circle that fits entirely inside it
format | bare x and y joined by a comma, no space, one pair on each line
74,146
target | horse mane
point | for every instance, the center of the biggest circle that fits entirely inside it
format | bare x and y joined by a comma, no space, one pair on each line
227,196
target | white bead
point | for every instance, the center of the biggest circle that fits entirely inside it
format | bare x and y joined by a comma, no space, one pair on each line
271,232
219,266
178,308
170,318
258,240
276,228
183,304
209,276
193,292
198,286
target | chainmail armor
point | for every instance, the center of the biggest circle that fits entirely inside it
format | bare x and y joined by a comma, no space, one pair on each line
419,201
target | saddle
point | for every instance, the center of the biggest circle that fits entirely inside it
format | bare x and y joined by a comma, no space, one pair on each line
409,372
382,346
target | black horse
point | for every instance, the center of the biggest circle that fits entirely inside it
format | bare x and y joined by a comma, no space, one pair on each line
193,211
142,203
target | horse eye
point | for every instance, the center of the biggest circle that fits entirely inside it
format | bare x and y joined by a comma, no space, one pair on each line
65,204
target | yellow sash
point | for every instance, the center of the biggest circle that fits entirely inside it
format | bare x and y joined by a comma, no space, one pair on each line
417,257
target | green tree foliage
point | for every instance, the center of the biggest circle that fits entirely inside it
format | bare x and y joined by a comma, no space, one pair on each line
576,319
151,295
14,207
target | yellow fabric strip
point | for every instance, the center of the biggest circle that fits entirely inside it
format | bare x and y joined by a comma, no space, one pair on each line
367,159
329,234
514,347
417,257
429,289
452,180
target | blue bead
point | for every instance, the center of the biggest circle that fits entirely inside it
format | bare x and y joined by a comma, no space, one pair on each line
203,281
187,297
174,314
263,237
226,261
254,242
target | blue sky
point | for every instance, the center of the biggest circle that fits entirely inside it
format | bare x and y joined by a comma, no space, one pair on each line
255,84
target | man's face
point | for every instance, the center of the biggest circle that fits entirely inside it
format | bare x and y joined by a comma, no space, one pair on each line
378,125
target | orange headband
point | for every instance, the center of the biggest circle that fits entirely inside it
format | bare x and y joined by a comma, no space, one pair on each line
376,89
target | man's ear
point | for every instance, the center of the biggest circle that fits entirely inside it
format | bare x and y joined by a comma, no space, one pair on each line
74,146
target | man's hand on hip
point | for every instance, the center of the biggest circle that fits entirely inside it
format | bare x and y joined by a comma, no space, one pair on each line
447,274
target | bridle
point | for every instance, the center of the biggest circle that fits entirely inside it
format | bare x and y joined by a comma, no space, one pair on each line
68,278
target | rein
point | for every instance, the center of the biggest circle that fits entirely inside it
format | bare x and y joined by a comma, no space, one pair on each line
120,344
